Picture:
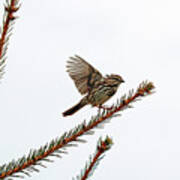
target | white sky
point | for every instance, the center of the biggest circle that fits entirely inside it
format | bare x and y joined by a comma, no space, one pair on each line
137,39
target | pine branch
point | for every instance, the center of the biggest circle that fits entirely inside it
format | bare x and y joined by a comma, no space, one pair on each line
10,8
56,147
102,147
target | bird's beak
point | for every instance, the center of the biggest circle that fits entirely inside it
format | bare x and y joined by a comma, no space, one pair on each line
122,81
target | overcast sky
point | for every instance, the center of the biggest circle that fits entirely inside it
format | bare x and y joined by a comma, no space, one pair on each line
138,39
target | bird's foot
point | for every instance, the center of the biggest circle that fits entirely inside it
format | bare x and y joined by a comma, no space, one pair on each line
105,107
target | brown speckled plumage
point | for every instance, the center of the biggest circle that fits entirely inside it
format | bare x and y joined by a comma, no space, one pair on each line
89,81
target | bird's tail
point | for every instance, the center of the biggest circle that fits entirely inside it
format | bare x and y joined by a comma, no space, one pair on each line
75,108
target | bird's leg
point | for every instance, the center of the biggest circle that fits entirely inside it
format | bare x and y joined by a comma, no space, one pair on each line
105,108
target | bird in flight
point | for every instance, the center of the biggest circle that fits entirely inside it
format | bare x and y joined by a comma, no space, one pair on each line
90,82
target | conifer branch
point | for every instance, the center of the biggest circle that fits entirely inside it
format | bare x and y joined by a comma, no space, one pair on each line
10,7
56,147
102,147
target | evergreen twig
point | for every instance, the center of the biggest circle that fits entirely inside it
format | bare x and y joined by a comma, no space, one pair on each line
27,164
10,7
91,165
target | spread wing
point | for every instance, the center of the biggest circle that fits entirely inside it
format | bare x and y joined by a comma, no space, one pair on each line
83,74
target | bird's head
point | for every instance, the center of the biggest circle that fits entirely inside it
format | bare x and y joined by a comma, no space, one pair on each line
116,79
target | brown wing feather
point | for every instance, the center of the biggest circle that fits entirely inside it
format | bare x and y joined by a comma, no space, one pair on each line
83,74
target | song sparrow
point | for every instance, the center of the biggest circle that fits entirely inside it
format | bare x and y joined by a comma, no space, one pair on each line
89,81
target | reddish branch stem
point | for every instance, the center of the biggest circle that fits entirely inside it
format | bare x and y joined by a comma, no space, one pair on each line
11,9
92,164
100,151
141,92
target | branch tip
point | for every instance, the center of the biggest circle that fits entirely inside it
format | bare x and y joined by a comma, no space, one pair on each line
10,8
91,165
